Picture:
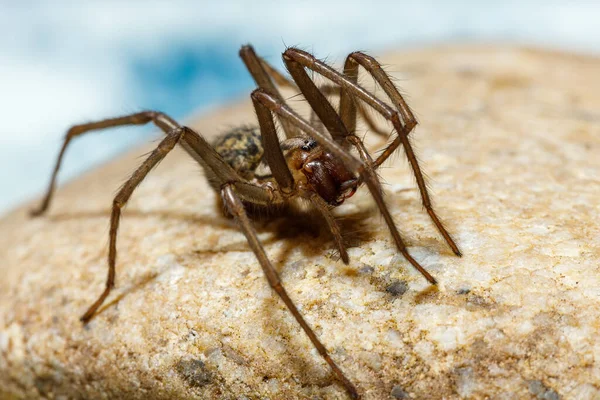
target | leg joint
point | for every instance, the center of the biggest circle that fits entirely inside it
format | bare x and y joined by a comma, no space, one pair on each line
73,131
276,285
118,203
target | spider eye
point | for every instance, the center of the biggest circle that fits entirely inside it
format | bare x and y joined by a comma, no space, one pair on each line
309,145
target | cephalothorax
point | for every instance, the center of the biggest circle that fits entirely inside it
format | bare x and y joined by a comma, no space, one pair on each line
250,167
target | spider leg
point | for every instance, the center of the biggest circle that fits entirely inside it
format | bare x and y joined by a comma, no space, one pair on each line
213,163
264,74
409,121
272,147
165,146
277,76
367,174
329,90
296,62
192,145
334,228
217,171
281,172
236,209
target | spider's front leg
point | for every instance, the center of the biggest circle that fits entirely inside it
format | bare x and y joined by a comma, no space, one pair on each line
217,170
236,208
267,77
165,146
338,130
343,125
215,167
161,120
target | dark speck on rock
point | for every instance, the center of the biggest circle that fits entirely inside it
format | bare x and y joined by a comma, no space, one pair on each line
475,301
366,269
399,393
541,391
464,291
194,372
397,288
44,384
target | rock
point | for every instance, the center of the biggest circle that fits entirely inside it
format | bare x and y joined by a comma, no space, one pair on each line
399,393
510,139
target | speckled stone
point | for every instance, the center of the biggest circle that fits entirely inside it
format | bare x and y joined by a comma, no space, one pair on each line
510,139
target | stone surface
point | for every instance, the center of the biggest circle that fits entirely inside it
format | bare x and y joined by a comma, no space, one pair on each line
510,139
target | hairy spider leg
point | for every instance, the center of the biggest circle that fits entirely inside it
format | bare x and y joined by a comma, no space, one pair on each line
368,175
282,174
261,77
161,120
236,208
334,228
297,60
216,169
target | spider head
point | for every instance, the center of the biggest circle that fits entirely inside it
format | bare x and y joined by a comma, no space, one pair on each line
321,171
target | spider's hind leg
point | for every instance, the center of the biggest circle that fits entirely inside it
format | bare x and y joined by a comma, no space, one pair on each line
236,209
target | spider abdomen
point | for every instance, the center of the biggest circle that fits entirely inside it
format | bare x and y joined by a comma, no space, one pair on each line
242,149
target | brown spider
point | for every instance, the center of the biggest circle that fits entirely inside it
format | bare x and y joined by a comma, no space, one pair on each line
309,164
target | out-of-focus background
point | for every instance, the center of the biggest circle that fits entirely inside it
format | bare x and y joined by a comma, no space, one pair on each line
65,62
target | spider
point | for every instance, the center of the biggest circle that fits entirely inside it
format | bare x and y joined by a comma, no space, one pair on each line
315,162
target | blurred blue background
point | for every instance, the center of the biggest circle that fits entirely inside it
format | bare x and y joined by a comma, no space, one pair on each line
66,62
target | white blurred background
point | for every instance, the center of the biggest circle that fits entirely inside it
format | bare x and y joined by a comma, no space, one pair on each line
66,62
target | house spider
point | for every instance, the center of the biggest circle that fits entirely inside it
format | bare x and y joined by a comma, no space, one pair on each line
309,164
